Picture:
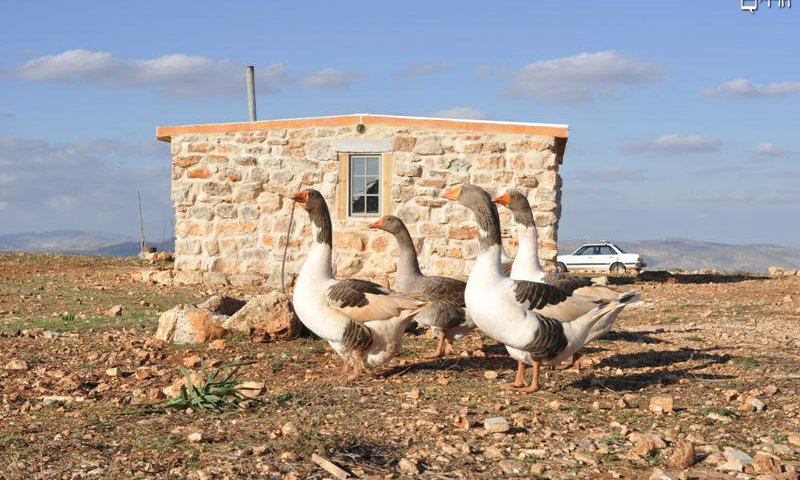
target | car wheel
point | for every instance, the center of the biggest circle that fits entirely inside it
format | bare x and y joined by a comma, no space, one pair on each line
618,268
561,267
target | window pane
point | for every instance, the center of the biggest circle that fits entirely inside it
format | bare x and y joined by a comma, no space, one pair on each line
357,206
357,166
373,184
372,204
357,185
373,166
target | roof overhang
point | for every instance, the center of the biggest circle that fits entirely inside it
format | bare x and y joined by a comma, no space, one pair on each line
523,128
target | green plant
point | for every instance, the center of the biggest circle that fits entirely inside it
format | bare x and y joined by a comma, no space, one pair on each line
745,361
217,391
67,317
724,411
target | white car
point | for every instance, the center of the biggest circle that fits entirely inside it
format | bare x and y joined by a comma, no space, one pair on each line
603,256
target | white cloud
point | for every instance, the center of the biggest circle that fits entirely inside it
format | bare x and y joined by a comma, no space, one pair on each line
330,79
174,74
581,77
780,196
469,113
87,185
744,89
675,144
421,69
607,175
769,150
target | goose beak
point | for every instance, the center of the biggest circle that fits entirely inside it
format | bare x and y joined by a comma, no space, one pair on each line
452,194
377,224
300,197
503,199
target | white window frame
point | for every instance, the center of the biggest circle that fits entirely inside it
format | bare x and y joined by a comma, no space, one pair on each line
350,173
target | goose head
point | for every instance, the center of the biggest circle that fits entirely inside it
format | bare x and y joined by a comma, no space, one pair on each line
389,223
480,202
517,202
314,203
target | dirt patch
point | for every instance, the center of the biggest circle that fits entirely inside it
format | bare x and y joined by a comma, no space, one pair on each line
67,413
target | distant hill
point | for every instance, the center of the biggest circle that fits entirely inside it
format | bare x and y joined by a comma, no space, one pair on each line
671,253
77,242
59,241
681,253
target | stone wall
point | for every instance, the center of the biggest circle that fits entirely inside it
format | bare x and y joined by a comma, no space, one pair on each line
230,194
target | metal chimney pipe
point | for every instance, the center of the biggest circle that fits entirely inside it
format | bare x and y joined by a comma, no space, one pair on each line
251,92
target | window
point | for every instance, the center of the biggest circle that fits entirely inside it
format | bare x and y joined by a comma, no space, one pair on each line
365,185
583,251
606,250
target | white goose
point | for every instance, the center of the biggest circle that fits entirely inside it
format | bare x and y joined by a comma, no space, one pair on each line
359,319
526,265
508,310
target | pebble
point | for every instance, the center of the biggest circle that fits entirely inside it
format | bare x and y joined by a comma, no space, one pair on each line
661,404
496,425
659,474
112,372
218,344
195,437
493,453
719,418
736,460
289,430
408,466
115,311
684,455
16,365
490,374
794,439
251,389
767,463
756,405
191,362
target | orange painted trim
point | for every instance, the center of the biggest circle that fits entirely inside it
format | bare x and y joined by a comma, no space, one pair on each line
558,131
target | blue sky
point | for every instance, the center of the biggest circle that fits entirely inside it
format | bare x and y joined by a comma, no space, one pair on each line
682,115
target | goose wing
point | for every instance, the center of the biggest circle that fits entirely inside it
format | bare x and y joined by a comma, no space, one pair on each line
507,268
552,302
364,301
564,281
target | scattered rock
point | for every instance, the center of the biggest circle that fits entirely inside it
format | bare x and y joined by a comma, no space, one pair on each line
659,474
753,404
222,305
794,439
736,460
112,372
731,395
195,437
408,466
602,280
218,344
16,365
289,430
191,362
661,404
719,418
645,444
267,316
115,311
764,462
188,325
251,389
684,455
490,374
496,425
554,405
493,453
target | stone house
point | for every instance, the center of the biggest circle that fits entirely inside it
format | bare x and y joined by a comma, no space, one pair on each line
231,182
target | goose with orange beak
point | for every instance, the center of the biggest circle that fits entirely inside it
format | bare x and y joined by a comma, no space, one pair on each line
446,315
512,311
362,321
526,265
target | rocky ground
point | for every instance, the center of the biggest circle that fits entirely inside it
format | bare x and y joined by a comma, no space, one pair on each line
701,381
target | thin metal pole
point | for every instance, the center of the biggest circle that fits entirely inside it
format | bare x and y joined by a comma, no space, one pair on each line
251,92
141,222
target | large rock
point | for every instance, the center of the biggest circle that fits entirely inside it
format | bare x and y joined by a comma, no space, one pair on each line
188,324
269,316
222,305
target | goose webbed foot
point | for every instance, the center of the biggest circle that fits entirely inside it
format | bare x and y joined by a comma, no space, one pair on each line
519,380
534,387
574,363
440,347
448,348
